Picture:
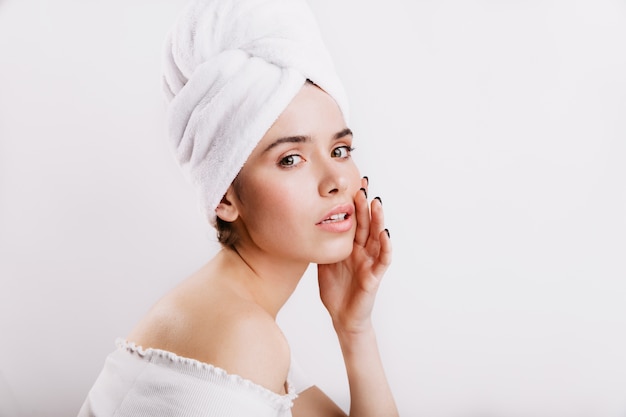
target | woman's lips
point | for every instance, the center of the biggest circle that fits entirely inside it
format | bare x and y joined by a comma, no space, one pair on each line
335,218
338,220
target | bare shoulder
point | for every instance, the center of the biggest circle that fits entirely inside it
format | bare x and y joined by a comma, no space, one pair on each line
219,328
314,402
250,344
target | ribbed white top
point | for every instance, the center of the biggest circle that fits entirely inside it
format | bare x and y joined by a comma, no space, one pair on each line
153,382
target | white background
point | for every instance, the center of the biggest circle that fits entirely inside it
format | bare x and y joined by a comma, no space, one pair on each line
494,131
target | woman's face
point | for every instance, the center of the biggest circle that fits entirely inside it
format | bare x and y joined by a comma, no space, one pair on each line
295,194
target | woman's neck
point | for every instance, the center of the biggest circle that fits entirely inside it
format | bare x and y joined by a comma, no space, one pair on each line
268,281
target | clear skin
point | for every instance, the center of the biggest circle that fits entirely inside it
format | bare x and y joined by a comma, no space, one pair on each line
224,314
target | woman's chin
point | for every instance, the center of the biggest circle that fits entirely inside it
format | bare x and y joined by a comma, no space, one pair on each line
337,252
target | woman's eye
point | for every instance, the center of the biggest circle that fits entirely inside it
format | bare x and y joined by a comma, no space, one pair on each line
290,160
341,152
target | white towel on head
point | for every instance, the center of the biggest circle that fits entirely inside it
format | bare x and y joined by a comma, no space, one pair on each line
231,67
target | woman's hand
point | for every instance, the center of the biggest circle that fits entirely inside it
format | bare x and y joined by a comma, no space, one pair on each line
348,288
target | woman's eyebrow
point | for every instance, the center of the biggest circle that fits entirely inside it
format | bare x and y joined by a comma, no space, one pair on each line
302,139
288,139
344,132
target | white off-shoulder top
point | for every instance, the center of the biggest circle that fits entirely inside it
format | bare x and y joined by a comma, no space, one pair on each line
157,383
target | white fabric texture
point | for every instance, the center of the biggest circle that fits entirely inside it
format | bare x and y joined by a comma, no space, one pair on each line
156,383
230,69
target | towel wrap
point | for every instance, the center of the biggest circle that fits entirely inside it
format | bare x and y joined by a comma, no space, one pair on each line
230,68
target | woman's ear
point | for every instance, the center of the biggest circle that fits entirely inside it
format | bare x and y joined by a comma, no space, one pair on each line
226,209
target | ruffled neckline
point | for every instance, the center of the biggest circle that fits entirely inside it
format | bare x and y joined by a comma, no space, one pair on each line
202,369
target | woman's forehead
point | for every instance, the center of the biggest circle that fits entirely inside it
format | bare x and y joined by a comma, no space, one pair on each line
312,113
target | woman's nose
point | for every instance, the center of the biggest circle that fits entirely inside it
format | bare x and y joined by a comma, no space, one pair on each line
333,179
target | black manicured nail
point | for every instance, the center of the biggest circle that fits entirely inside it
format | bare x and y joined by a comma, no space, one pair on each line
367,179
364,192
388,234
379,200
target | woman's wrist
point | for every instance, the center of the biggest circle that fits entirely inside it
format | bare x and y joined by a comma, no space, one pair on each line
369,391
354,334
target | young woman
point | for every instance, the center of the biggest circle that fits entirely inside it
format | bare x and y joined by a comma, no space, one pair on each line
211,347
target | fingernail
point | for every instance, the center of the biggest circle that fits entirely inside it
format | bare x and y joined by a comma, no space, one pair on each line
388,234
379,200
364,192
367,179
